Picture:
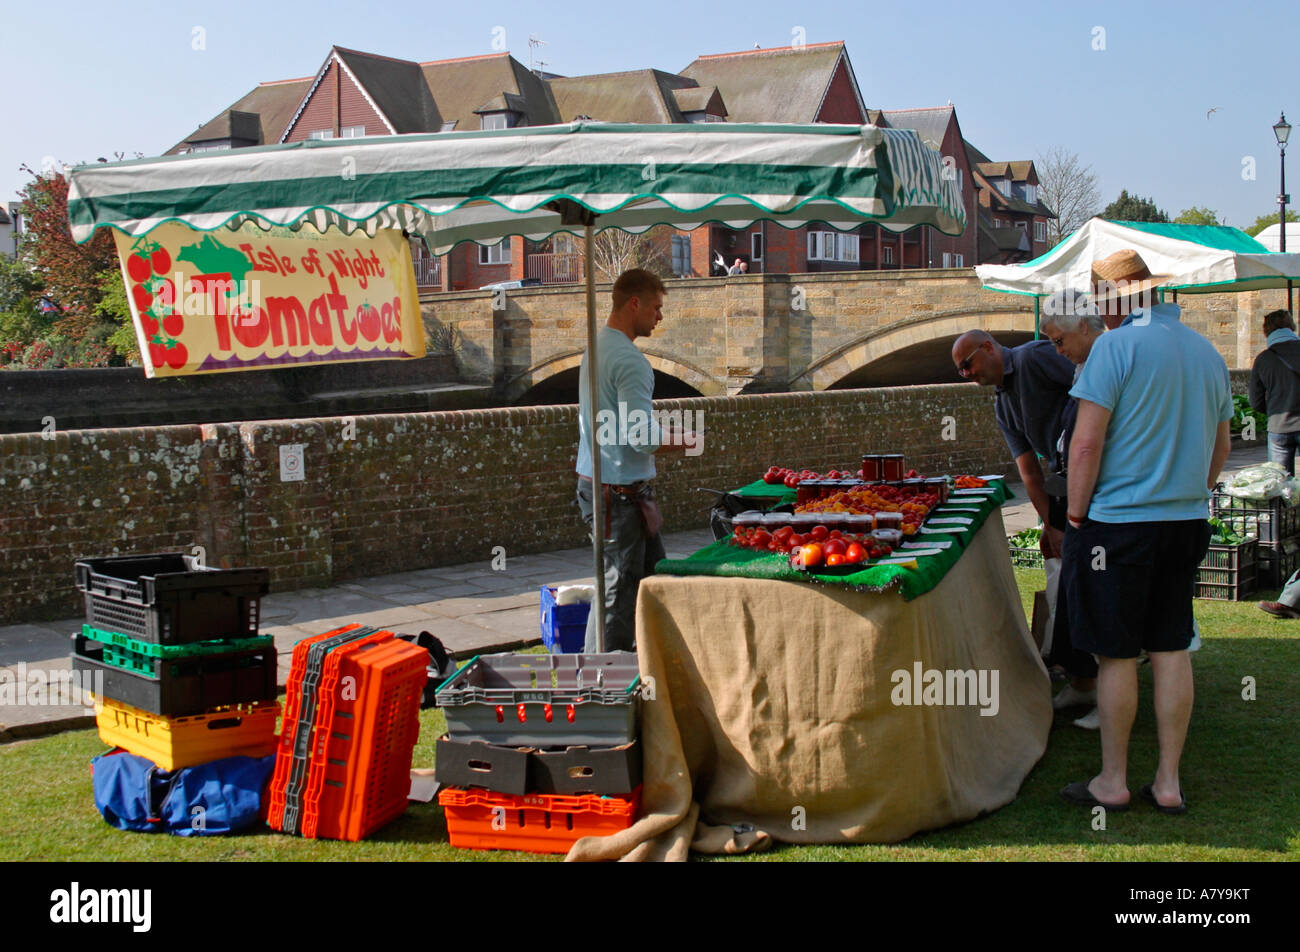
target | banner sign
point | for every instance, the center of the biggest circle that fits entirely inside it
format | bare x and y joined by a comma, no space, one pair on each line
208,302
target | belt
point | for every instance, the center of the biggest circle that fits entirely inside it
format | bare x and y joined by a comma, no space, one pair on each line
623,489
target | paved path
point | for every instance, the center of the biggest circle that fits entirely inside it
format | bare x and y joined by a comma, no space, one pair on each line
472,608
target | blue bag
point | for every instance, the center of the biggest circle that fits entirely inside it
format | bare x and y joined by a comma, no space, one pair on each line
223,796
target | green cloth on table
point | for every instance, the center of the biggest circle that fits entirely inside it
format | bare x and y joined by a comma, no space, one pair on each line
723,558
761,490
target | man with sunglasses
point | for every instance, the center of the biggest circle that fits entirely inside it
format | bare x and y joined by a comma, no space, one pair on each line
1033,387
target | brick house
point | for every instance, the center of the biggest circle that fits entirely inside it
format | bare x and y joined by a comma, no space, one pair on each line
356,94
1012,215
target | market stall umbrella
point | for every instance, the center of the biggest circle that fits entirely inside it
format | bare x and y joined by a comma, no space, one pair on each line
1200,259
578,178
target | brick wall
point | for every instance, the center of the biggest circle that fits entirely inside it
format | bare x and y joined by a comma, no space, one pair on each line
408,491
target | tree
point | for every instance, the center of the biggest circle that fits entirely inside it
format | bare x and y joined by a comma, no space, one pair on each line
69,272
1133,208
1068,188
1263,221
1196,215
614,251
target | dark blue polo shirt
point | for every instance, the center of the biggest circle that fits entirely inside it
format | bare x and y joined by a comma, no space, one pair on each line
1036,383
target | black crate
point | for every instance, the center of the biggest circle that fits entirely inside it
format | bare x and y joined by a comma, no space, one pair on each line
572,771
169,599
1229,572
1269,521
1277,563
183,686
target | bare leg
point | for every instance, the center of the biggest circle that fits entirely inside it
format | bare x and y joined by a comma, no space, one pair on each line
1117,695
1174,691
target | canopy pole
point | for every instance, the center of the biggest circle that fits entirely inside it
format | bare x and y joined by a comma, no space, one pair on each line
597,486
1036,302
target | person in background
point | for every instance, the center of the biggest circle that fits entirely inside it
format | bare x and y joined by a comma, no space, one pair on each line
1275,388
1151,436
1072,325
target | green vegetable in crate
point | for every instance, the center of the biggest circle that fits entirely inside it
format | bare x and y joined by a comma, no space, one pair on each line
1224,534
1026,539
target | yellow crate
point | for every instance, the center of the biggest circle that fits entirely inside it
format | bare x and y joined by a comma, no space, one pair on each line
246,730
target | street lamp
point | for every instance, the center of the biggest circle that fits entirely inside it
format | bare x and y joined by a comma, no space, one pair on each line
1282,130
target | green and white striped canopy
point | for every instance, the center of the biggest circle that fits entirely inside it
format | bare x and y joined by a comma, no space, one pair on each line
483,186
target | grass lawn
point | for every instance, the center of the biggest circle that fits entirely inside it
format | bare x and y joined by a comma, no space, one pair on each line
1240,773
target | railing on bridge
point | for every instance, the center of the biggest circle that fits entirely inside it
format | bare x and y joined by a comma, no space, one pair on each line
555,268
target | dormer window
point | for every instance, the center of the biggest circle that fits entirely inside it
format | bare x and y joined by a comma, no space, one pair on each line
506,119
701,116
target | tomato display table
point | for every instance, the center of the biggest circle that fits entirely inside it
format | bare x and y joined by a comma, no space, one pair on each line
822,714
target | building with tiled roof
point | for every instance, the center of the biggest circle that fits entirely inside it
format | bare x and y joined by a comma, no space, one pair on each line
356,94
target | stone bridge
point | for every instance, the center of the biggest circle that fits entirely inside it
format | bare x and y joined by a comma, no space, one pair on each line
773,333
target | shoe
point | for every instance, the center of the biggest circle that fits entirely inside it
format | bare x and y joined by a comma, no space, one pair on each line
1080,795
1070,696
1090,721
1278,609
1149,795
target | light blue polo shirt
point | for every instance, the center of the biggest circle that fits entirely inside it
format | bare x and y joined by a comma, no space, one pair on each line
1167,390
626,428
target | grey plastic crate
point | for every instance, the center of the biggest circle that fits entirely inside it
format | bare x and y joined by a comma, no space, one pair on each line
592,700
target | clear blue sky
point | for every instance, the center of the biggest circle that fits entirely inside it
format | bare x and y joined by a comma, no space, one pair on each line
88,79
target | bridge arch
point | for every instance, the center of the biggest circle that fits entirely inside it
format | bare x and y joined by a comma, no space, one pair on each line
553,366
930,337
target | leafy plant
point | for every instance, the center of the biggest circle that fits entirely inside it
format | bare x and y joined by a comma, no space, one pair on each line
1224,534
1026,539
1242,411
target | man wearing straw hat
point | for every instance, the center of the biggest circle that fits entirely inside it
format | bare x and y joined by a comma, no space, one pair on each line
1150,438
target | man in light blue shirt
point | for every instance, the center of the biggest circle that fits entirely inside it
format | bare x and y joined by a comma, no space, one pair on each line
1149,442
628,436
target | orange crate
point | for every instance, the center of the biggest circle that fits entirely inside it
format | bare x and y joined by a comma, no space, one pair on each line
367,723
288,731
244,730
535,823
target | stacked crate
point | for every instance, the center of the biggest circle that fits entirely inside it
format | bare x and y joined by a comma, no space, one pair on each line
1276,527
540,750
351,720
182,676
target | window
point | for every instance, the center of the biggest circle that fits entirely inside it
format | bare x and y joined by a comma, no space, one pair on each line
1004,186
830,246
1040,231
701,116
498,120
1031,193
449,125
352,132
321,134
756,247
887,254
210,147
1023,226
951,260
495,254
682,255
959,261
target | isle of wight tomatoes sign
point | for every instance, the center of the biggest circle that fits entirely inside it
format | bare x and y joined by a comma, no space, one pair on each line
207,302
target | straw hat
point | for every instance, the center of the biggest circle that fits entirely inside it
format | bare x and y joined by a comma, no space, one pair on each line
1121,275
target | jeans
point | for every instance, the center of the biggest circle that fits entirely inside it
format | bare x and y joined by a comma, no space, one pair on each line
1282,449
1290,596
629,557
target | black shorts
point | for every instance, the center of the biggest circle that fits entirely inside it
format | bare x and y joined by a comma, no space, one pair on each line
1129,585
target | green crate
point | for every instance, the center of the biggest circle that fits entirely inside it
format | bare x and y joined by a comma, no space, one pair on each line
149,649
1029,558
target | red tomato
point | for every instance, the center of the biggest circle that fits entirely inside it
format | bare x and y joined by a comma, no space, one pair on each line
797,540
783,533
855,553
836,534
819,533
137,266
160,260
835,547
833,559
760,539
810,555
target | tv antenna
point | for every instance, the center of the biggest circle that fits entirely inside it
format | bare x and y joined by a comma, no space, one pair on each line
535,65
